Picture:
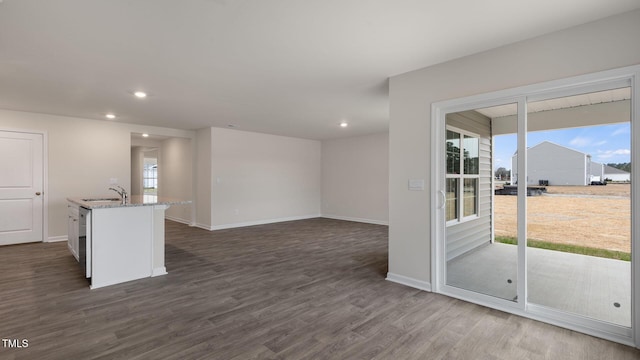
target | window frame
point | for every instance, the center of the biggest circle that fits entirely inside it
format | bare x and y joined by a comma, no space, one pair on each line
462,176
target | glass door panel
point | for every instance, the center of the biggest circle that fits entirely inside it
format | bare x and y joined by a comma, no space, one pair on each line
579,205
474,260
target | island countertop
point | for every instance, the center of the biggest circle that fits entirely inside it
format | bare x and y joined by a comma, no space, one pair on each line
109,201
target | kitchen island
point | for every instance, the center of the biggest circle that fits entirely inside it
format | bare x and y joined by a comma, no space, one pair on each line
117,242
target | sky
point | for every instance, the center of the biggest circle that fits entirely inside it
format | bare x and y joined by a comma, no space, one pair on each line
605,144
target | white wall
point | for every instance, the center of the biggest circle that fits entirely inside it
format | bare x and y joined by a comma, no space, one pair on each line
557,164
605,44
82,156
204,186
355,178
260,178
175,176
137,165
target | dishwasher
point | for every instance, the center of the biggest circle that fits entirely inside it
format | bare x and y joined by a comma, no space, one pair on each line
84,241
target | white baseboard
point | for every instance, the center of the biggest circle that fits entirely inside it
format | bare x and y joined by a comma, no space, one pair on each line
347,218
405,280
263,222
271,221
202,226
159,271
57,238
179,220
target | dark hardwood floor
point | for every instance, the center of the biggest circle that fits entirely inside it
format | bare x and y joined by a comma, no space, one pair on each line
311,289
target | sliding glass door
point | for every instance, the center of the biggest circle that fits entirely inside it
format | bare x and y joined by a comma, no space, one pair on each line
474,261
579,228
533,202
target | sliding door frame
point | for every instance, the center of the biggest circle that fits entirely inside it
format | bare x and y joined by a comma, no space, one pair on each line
610,79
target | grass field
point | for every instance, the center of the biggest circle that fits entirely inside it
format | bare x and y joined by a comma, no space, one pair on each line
597,217
575,249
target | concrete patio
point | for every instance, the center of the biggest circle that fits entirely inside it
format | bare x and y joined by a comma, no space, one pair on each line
579,284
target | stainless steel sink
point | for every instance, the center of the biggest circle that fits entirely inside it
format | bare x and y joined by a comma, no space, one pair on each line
102,200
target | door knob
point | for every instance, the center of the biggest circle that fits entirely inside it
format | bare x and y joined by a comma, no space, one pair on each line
38,193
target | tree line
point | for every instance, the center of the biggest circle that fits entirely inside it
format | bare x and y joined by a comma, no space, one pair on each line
502,174
622,166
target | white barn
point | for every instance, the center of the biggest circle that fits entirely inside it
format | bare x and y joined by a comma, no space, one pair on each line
614,174
557,164
597,171
560,165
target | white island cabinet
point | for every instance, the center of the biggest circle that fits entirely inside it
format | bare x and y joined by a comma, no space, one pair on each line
123,242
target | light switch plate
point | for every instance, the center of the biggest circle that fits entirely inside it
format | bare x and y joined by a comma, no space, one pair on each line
416,184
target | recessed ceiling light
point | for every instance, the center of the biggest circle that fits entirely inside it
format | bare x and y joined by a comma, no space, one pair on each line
110,116
145,135
344,124
140,94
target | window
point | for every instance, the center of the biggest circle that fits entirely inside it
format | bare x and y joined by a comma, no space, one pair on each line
452,199
463,173
470,196
150,176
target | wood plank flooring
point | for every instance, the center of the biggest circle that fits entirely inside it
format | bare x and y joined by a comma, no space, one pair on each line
310,289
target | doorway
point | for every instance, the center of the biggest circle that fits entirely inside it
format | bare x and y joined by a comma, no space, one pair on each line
534,230
162,166
145,160
150,174
144,172
21,187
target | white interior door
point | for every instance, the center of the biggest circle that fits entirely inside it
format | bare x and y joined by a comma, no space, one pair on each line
21,187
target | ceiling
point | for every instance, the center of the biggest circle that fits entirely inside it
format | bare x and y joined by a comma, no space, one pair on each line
566,102
287,67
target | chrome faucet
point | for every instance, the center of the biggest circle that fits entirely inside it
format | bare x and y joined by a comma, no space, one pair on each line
122,192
